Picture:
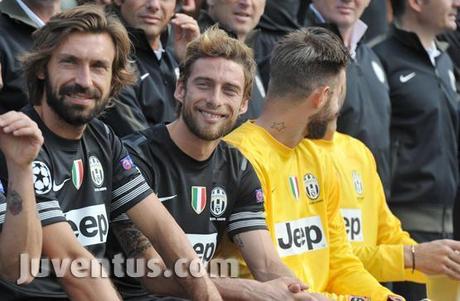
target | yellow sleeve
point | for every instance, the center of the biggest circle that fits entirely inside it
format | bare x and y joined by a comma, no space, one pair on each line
347,273
386,260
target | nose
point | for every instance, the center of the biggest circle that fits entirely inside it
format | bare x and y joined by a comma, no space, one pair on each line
244,3
214,99
153,5
83,76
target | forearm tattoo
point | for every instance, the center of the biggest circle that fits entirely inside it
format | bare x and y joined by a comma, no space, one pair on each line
131,239
238,241
14,202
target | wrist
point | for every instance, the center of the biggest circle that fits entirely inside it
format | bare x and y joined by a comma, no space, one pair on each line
408,257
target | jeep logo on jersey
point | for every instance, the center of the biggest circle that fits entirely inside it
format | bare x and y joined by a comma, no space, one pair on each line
299,236
198,198
42,177
218,201
353,224
357,182
90,224
204,245
311,186
97,172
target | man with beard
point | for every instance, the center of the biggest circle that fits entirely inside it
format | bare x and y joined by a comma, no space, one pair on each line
239,18
306,91
424,107
207,185
387,252
82,175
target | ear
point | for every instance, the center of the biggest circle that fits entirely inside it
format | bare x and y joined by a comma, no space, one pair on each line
41,75
244,106
415,5
179,93
319,97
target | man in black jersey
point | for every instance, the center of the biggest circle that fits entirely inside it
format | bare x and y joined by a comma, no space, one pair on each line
82,175
207,185
20,141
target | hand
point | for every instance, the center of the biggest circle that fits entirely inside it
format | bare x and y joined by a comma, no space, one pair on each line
284,288
189,7
438,257
186,29
20,138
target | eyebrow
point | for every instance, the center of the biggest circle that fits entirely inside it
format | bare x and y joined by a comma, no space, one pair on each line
208,79
105,62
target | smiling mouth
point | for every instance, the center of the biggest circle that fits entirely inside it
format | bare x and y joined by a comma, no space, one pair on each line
242,15
212,116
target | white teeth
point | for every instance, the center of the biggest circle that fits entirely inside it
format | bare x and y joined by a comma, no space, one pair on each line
214,116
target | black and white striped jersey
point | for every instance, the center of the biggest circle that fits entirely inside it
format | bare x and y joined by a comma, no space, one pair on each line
207,198
83,182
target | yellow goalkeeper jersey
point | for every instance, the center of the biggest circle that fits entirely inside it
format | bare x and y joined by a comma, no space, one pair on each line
301,192
375,233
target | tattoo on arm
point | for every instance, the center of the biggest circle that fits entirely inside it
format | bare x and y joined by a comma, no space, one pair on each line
238,241
14,202
279,126
131,239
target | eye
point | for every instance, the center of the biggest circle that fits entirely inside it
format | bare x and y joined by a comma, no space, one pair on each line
100,66
202,84
67,60
231,91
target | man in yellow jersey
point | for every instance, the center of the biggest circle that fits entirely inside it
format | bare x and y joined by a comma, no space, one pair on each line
299,182
375,233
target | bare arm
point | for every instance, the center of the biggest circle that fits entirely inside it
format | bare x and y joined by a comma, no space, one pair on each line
258,252
20,142
60,242
153,219
136,245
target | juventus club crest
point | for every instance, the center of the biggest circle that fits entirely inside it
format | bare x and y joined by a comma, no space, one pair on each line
198,198
218,201
311,186
97,172
357,182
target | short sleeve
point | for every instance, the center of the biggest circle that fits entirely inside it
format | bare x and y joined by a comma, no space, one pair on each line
248,212
128,184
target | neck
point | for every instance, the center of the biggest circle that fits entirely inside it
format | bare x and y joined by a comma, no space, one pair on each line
241,37
44,9
426,35
57,125
189,143
346,34
282,120
154,42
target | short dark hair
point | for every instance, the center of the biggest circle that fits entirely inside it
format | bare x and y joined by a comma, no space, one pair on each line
399,7
304,60
88,18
